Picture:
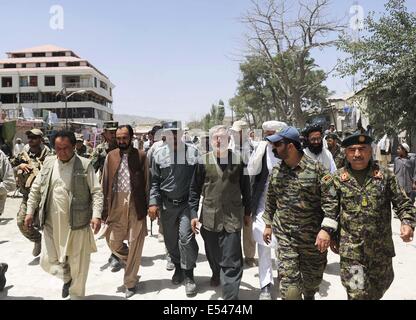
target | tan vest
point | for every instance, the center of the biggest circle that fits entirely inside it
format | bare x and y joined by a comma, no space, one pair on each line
80,213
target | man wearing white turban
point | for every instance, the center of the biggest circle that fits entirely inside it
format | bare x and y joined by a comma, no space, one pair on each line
259,168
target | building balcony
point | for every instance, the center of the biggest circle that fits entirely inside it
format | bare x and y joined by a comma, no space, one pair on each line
78,85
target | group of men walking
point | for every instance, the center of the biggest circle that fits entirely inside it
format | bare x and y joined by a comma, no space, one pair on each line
297,201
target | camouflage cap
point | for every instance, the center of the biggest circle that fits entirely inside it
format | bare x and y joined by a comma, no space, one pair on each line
79,137
34,132
110,125
356,139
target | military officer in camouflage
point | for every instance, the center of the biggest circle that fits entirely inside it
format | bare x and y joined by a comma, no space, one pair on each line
101,151
27,165
294,211
337,152
365,192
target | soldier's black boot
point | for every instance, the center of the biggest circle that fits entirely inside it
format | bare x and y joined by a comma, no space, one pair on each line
190,285
3,269
178,275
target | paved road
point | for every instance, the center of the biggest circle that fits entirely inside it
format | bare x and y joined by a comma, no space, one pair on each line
26,280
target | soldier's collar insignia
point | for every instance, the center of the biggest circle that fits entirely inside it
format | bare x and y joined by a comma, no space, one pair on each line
327,178
345,176
377,174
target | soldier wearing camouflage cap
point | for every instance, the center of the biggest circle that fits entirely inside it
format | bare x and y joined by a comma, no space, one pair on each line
365,192
27,165
294,209
100,152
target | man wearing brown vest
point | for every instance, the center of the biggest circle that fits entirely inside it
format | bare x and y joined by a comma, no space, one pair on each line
125,179
220,179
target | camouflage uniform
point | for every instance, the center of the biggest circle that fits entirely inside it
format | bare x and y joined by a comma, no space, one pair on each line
293,208
339,157
98,157
24,183
366,244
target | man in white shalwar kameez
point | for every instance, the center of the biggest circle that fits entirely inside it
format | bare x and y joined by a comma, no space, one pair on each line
67,244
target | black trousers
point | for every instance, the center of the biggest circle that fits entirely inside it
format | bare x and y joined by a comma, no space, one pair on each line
225,258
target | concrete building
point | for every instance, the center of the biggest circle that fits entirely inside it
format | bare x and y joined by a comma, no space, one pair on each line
30,80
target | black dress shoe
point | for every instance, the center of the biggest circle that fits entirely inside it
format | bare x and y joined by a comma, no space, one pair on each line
130,292
215,281
116,266
65,289
178,276
3,269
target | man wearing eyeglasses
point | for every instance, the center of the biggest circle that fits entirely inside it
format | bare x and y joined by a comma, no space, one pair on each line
27,165
316,150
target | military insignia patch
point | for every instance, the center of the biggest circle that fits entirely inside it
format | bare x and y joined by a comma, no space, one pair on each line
345,176
361,139
377,174
327,178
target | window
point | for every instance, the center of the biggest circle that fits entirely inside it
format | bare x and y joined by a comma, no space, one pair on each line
103,85
52,64
9,66
39,54
48,97
8,98
24,65
95,82
26,81
7,82
33,81
19,55
58,54
72,64
49,81
29,97
37,65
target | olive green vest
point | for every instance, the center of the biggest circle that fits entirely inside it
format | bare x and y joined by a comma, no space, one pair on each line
81,205
222,207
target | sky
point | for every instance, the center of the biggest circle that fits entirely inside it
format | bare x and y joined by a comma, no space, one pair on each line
169,59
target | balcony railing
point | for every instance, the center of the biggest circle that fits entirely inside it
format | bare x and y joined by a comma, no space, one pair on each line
81,84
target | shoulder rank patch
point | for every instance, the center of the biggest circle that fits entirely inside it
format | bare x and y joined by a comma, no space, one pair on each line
377,174
345,176
327,178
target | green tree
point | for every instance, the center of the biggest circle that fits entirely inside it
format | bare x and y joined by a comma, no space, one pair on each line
260,97
386,58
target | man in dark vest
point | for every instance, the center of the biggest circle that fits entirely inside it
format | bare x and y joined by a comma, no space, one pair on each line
125,179
220,179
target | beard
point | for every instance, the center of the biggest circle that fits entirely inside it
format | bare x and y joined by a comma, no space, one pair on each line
316,149
124,146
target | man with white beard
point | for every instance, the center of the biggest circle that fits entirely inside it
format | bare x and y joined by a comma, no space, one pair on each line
259,168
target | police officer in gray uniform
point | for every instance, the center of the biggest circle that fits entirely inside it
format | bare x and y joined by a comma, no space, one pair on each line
172,169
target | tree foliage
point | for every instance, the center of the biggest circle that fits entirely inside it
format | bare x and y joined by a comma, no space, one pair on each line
386,58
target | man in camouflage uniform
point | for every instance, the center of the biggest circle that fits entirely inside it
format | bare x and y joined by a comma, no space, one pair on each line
101,151
365,192
293,208
80,147
337,152
27,165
